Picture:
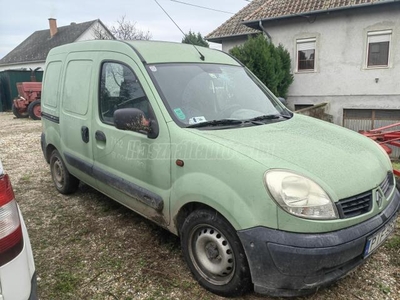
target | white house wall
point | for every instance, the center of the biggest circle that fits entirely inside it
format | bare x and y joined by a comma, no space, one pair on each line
341,77
89,34
228,44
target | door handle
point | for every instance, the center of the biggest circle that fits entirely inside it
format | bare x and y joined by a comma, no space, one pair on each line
85,134
100,136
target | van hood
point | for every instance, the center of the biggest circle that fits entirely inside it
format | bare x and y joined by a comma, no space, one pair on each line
342,161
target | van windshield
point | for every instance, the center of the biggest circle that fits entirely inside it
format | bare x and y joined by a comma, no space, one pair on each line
205,93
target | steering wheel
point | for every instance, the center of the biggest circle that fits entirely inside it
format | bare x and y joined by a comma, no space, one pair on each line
229,110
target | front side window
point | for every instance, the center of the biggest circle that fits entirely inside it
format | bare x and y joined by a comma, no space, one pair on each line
120,88
378,48
306,54
200,93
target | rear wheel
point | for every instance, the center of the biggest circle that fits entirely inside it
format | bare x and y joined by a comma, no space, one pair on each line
18,112
65,182
34,110
215,254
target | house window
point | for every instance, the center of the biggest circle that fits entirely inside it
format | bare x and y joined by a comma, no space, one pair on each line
378,48
306,55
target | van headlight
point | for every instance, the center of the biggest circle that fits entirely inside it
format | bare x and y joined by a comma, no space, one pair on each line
299,195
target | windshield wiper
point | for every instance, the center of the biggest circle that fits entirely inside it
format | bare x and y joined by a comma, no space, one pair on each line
268,117
221,122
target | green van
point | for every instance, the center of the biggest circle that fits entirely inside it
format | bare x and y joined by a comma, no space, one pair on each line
261,198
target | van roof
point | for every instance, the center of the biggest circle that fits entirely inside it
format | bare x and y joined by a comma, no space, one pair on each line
152,51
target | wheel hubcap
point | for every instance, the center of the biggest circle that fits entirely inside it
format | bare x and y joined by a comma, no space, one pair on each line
212,255
58,173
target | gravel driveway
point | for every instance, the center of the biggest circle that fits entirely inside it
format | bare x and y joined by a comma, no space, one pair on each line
87,246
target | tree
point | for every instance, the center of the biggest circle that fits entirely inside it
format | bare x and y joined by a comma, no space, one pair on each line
269,63
195,39
124,30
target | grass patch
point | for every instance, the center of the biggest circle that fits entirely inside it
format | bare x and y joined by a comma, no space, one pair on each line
26,177
393,243
384,288
66,282
396,165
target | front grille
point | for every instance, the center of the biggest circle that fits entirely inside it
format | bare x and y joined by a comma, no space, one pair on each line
362,203
355,206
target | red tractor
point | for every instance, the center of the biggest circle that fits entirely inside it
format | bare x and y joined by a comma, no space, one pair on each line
28,101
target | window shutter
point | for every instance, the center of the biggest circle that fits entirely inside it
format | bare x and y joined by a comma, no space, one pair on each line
303,45
379,38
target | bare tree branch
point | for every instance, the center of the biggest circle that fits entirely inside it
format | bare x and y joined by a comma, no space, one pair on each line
99,33
124,30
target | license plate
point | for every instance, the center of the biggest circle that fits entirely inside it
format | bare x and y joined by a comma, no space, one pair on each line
374,241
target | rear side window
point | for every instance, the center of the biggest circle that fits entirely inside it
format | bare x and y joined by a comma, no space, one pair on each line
120,88
76,92
52,81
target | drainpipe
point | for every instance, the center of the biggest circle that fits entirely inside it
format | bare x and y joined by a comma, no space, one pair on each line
264,30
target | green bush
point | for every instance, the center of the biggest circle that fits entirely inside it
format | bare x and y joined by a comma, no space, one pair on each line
269,63
195,39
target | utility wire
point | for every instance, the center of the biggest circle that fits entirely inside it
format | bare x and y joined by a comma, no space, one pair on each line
170,17
201,55
203,7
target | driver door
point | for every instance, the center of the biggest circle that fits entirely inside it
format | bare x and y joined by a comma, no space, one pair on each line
127,164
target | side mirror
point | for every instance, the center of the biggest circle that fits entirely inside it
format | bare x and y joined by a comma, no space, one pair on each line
133,119
282,100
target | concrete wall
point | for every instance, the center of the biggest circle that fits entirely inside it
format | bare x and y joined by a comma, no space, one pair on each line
229,43
341,76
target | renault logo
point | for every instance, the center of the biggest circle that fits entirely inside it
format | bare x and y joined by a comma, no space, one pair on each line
379,197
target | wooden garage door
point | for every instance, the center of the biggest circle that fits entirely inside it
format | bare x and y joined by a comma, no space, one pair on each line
367,119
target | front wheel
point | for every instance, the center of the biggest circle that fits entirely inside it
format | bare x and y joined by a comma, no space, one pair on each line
19,113
65,182
215,254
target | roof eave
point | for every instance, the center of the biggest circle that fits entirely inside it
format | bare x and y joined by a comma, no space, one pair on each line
255,23
22,63
220,38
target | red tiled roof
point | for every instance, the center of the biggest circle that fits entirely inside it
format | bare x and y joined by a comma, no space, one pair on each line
270,9
278,8
234,25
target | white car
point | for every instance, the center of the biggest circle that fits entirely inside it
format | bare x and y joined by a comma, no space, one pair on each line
17,268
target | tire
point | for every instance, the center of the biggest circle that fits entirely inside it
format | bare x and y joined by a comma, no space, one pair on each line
65,182
18,113
215,254
34,110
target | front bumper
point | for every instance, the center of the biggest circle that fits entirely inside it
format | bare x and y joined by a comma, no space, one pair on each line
292,264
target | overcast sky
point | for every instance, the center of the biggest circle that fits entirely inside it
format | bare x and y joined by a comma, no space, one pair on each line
20,19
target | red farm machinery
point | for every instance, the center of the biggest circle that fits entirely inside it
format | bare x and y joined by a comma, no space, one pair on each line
28,101
386,136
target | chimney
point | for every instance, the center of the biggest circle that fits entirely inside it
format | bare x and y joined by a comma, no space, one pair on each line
53,27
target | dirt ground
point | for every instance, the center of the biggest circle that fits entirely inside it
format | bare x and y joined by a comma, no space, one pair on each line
87,246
